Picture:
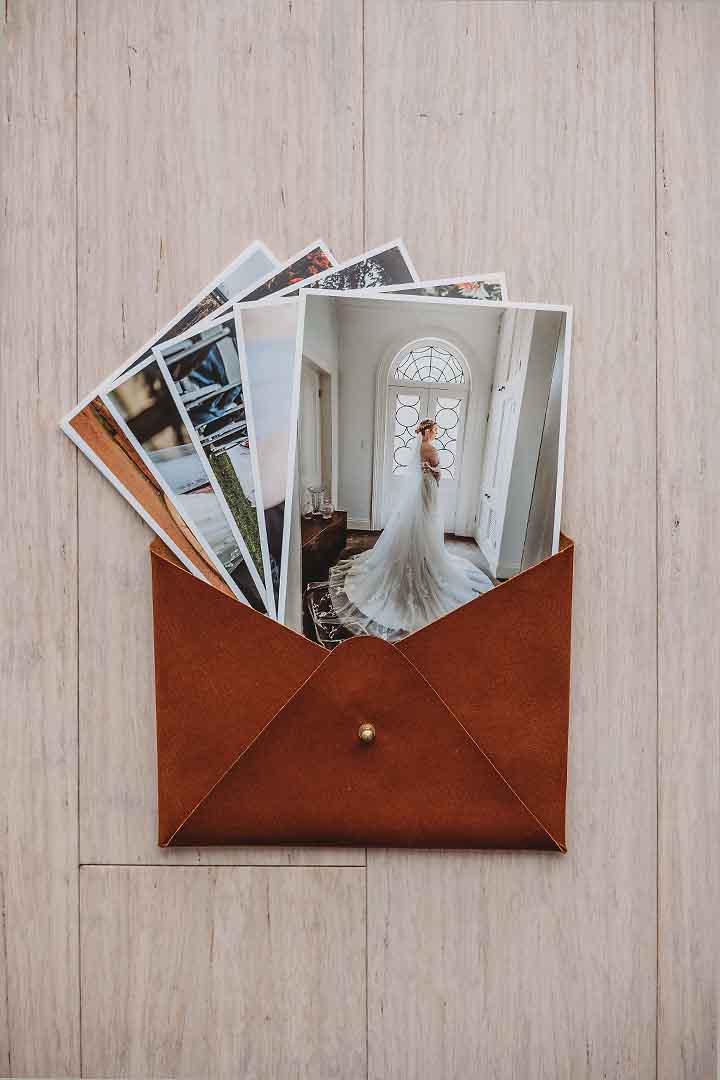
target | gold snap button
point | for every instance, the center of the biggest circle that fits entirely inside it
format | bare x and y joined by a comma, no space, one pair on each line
366,733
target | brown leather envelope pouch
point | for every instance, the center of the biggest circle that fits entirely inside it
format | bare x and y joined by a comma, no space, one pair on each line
258,727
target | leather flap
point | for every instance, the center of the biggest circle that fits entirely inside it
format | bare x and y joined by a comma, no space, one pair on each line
423,781
222,671
502,664
257,726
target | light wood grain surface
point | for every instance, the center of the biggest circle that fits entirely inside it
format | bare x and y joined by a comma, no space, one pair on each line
38,583
225,971
573,145
207,152
510,935
688,248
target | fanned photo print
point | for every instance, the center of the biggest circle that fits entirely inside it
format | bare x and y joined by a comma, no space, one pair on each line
424,428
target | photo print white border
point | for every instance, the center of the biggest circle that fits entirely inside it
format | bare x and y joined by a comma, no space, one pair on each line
280,298
493,277
255,391
271,297
266,594
135,362
137,507
394,298
255,463
319,244
256,247
316,281
170,495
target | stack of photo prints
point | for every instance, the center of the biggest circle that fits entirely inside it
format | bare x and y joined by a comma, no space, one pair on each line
345,448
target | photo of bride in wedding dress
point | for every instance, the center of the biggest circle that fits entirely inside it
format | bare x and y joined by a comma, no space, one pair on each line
428,464
409,578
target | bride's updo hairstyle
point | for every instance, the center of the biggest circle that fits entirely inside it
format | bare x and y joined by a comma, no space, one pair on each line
425,425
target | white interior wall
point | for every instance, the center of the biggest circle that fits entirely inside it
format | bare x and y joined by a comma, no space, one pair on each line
541,519
326,439
367,331
321,347
543,350
269,333
350,337
309,430
320,336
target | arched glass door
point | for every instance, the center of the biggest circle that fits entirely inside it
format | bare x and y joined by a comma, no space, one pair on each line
427,378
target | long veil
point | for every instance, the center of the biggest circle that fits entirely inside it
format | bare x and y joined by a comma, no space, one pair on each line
408,578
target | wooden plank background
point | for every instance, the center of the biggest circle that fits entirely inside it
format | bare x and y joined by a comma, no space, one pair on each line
573,145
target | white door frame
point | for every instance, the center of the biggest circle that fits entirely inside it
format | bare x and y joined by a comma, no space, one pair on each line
511,367
309,434
383,388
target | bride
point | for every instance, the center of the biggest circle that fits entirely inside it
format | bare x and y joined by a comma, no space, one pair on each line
409,578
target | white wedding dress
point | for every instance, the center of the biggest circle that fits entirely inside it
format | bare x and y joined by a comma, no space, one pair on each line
409,578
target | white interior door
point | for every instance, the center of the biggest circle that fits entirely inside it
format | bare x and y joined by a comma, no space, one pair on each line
505,401
407,406
448,410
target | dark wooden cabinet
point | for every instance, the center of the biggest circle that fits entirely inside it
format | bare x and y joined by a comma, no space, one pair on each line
322,542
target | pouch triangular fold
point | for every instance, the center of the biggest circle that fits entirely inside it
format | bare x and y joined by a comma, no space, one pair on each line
222,670
422,781
258,727
502,664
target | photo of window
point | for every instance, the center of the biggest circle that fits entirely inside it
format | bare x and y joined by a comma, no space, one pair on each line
420,428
